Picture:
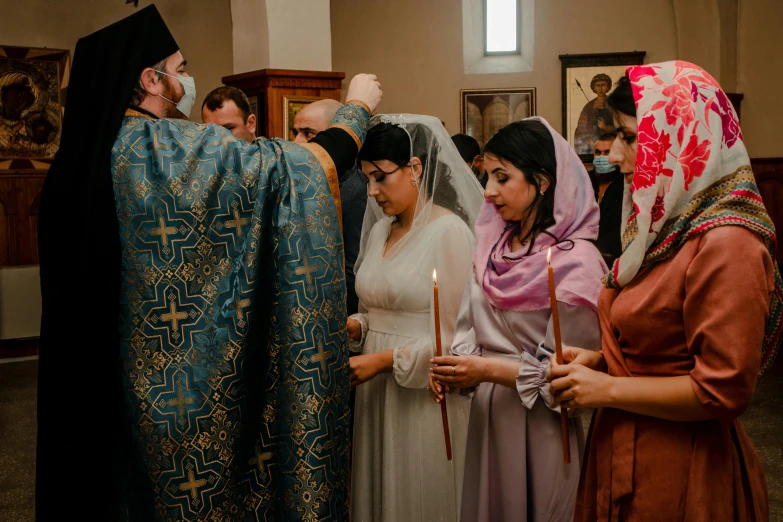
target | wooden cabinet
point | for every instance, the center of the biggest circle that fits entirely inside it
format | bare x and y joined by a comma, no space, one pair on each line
20,201
276,94
769,178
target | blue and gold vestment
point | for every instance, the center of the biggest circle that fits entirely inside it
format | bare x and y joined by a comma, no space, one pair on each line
234,360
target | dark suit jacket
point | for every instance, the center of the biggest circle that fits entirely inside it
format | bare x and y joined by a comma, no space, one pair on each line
353,193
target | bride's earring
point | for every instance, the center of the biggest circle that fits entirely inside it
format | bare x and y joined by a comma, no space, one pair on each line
414,182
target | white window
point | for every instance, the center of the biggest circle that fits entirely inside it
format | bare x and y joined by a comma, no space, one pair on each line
501,27
497,36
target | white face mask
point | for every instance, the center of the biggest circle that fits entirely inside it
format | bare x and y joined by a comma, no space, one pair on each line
186,103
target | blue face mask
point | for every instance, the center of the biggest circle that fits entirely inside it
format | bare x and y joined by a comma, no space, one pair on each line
186,103
602,165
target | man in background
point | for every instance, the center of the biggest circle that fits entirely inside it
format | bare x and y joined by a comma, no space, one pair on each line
314,118
609,187
470,151
308,122
230,108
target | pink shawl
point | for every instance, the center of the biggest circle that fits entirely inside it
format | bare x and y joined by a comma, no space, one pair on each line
517,282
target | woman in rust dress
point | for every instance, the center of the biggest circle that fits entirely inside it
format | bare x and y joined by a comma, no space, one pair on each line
690,315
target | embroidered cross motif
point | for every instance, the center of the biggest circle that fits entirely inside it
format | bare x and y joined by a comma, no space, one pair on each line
181,401
238,306
163,231
173,316
260,459
307,269
321,356
237,222
192,484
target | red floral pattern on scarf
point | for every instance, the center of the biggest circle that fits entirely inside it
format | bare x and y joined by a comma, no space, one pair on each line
685,124
650,159
689,144
694,159
680,102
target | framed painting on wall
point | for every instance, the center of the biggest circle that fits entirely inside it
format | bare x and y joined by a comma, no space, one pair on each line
587,81
485,111
33,82
291,107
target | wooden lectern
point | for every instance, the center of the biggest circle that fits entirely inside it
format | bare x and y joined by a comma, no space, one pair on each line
276,95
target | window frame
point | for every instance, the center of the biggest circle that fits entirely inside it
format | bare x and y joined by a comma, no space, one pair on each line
518,50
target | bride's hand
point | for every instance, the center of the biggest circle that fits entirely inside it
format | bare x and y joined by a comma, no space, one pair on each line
354,330
435,389
364,367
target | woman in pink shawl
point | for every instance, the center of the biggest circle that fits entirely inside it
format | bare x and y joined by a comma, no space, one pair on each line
538,195
690,315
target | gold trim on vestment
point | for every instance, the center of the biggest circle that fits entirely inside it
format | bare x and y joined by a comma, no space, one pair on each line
132,112
326,162
350,132
357,102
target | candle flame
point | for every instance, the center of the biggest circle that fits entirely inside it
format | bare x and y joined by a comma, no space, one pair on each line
549,255
435,276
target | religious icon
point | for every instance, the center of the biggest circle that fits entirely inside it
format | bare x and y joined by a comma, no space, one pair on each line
483,112
587,81
32,95
291,107
595,119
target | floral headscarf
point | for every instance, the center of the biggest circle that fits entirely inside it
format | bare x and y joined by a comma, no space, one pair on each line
692,174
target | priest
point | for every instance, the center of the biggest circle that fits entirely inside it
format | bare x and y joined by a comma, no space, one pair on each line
193,362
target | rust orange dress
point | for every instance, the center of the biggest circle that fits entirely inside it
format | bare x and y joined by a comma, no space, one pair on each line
700,313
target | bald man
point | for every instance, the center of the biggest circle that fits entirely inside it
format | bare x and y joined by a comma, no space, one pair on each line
308,122
313,119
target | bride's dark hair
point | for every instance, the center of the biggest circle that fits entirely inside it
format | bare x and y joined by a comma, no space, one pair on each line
386,141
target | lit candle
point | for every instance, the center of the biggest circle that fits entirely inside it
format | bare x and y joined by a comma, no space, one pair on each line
438,352
558,354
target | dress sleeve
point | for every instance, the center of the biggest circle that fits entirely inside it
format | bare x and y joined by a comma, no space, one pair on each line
453,261
725,309
361,318
464,334
578,327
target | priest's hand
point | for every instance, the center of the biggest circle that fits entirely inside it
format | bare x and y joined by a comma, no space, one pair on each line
365,88
354,330
367,366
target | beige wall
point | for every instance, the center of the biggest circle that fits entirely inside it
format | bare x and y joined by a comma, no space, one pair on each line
250,35
415,47
201,27
760,76
299,35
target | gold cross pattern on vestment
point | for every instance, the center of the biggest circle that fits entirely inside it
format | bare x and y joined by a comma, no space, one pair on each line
306,269
163,231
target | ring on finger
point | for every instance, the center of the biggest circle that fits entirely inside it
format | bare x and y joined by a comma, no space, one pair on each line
453,371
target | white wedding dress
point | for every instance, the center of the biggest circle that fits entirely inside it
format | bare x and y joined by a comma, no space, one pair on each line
400,470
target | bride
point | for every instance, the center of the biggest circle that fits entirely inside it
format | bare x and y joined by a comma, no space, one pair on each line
423,202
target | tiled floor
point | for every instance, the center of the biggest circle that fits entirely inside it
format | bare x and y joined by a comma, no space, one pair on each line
764,422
